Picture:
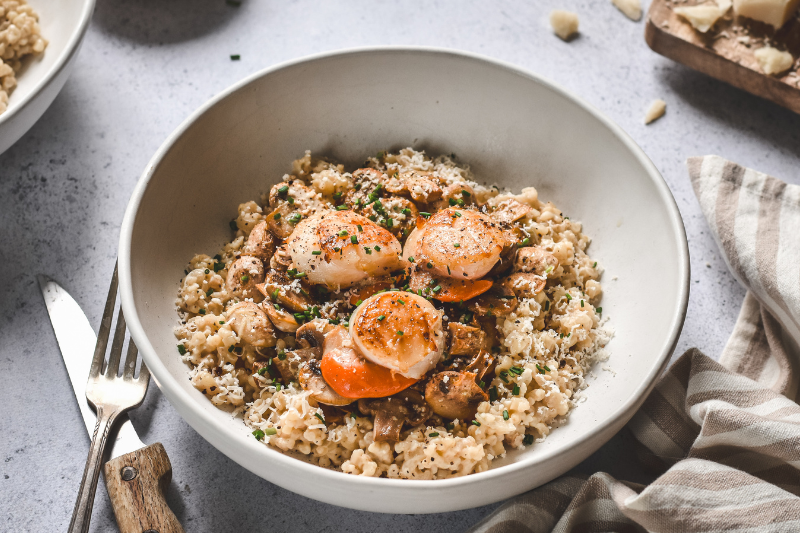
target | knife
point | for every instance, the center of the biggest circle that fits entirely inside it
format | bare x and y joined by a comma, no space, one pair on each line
136,474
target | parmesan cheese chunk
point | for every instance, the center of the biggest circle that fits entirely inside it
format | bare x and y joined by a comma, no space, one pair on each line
773,61
703,17
655,111
564,23
773,12
631,8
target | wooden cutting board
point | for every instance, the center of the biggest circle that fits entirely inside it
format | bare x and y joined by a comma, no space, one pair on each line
726,51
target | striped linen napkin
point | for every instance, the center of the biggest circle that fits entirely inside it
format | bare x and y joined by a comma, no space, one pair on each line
725,436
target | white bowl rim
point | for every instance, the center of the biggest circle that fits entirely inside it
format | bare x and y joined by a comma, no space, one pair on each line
70,50
177,395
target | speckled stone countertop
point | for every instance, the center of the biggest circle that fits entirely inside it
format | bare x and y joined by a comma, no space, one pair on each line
146,64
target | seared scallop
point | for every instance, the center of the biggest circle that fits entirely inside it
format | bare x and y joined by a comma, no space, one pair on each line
399,331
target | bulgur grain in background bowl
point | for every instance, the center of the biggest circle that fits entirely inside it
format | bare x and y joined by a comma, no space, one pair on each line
27,91
512,128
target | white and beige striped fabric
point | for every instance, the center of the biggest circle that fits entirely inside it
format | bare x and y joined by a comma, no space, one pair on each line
726,436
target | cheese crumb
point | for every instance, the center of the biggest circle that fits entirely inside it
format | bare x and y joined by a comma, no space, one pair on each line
773,12
564,23
703,17
631,8
655,111
773,61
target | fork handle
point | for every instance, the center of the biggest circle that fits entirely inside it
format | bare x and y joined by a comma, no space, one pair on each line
82,513
136,483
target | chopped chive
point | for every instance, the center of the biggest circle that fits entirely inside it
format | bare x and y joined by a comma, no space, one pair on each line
353,239
504,376
505,414
218,266
465,193
410,259
482,384
476,423
334,321
516,370
401,301
581,303
282,355
525,242
294,218
527,440
270,431
245,278
206,271
452,201
337,195
547,368
368,250
406,211
359,302
221,322
258,434
424,214
181,349
377,248
515,390
599,309
290,199
359,227
277,216
594,265
548,269
399,332
429,265
320,417
202,311
569,298
342,208
457,245
381,317
316,252
540,369
433,434
277,387
231,348
547,305
209,292
263,369
457,213
437,288
283,190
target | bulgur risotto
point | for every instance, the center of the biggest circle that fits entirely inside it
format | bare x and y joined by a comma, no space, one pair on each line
399,320
20,36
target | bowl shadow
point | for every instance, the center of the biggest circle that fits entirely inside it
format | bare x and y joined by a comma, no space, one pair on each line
164,21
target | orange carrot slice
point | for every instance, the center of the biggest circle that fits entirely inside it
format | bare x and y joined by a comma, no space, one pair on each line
354,377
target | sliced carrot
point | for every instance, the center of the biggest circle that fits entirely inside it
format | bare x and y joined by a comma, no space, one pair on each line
448,289
354,377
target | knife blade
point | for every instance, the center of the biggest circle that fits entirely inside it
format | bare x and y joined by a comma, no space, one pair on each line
77,340
136,474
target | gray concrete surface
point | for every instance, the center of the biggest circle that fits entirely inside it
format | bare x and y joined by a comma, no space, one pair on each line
146,64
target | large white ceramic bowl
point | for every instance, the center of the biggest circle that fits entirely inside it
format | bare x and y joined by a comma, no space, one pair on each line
63,24
514,129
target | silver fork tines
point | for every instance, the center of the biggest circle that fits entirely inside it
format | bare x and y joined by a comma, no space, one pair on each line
111,396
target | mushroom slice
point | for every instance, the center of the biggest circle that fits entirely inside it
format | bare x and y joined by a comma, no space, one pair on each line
510,210
279,285
251,325
260,243
312,334
535,259
422,187
310,379
482,365
289,367
281,318
465,339
244,275
280,223
525,284
499,301
418,409
454,395
280,260
390,415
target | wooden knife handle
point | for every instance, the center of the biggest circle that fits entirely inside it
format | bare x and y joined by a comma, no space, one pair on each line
136,483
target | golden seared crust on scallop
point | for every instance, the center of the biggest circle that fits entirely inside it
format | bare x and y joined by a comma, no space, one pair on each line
460,243
400,331
341,248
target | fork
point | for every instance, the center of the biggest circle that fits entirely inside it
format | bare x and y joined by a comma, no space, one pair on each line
111,396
